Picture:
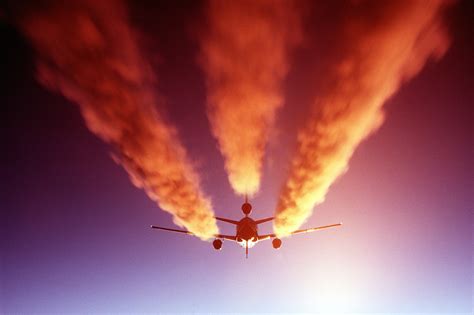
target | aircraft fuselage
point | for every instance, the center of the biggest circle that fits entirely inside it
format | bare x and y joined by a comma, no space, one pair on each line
247,231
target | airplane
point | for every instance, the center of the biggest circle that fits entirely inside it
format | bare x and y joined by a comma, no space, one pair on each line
247,231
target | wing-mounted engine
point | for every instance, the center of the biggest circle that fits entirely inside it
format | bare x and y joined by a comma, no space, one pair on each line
276,243
217,243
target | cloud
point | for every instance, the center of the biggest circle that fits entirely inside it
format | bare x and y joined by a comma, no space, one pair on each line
379,53
87,51
245,55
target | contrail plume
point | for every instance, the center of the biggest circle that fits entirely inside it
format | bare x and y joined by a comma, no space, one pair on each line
244,54
88,52
380,53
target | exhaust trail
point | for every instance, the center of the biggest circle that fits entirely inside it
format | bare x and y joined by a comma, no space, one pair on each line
87,51
379,55
244,54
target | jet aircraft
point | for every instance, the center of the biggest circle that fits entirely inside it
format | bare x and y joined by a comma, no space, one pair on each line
247,231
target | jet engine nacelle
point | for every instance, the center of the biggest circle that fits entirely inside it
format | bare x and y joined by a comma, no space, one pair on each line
217,243
276,242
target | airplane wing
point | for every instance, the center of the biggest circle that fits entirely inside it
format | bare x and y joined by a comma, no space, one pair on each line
171,230
267,236
316,228
227,237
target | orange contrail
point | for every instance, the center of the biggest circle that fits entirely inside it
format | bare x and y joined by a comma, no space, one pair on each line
87,51
245,57
380,56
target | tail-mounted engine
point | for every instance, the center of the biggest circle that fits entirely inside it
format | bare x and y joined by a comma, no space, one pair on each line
246,208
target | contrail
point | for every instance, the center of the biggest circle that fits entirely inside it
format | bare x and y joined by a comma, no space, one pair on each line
244,53
380,54
88,52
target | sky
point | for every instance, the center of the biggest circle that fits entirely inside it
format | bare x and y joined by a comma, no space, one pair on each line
75,229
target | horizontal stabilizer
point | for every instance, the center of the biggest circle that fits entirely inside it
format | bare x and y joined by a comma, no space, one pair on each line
264,220
227,220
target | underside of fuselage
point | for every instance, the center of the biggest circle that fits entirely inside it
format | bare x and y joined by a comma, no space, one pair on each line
247,232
